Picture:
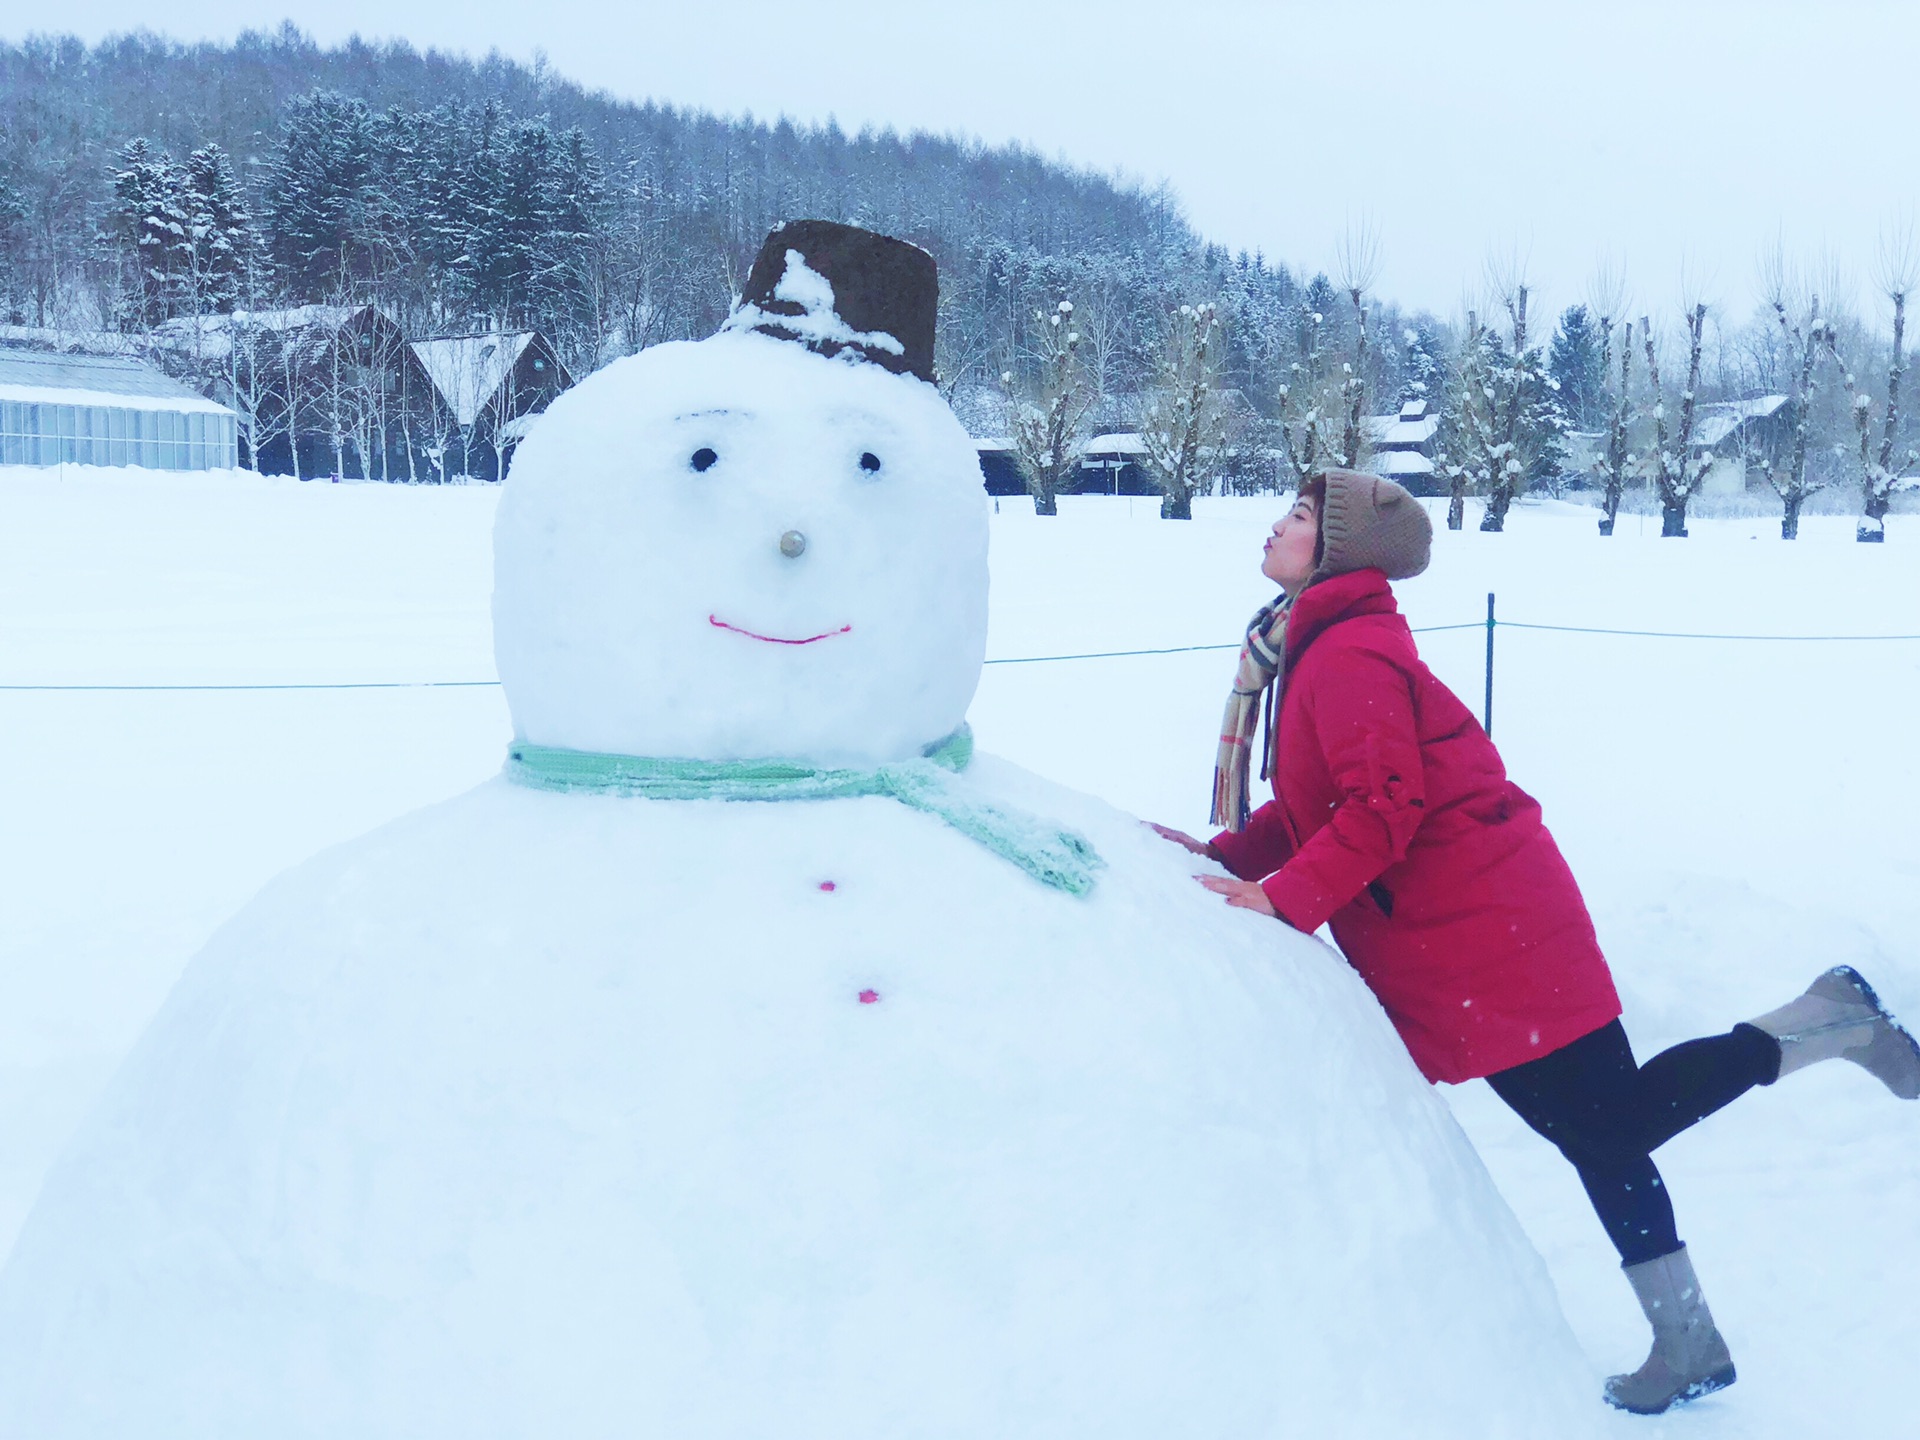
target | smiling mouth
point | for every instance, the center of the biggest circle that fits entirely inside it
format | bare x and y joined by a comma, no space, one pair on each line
719,624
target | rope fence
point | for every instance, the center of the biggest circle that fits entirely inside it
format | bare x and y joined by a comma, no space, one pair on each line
1491,624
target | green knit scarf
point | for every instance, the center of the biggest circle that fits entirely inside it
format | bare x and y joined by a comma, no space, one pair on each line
1052,855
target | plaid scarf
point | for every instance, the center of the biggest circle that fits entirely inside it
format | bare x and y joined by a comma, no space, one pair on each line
1262,659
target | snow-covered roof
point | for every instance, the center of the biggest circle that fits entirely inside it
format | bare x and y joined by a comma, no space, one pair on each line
992,444
469,370
211,336
84,342
1398,432
1395,463
115,382
1584,450
1715,421
1121,442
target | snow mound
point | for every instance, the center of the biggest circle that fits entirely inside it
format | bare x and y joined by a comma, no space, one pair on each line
552,1114
520,1117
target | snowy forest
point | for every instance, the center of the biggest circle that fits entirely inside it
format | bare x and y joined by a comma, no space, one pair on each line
155,190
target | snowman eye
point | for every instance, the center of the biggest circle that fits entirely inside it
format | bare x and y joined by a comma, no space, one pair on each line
703,458
870,462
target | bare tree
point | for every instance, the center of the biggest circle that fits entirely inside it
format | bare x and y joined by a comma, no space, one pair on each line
1806,336
1677,472
296,400
1524,422
1301,421
1513,383
1185,425
1620,459
1899,263
1105,321
248,374
1606,299
1047,414
1466,422
1358,263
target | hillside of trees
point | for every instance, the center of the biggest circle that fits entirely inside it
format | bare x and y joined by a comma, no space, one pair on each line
148,185
142,179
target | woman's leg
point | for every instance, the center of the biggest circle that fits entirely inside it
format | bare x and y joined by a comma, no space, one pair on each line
1607,1114
1586,1098
1684,1085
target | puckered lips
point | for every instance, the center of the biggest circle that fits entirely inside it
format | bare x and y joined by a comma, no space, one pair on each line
719,624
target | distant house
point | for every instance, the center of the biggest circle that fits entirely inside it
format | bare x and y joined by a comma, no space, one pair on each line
321,390
1116,464
998,468
1403,446
69,409
490,388
1736,436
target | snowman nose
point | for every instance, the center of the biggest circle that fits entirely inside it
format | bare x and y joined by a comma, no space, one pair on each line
793,544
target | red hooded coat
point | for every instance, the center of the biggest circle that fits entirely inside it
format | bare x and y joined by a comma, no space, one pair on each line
1393,818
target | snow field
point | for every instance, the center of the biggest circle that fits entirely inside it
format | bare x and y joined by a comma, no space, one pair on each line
1734,812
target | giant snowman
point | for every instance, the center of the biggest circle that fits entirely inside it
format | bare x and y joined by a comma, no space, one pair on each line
750,1059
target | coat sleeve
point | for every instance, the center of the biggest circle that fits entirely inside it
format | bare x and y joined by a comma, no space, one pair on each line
1361,716
1259,849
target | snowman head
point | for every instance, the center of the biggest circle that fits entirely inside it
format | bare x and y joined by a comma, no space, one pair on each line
770,543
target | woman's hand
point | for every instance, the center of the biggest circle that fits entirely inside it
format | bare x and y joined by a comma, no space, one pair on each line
1180,837
1244,894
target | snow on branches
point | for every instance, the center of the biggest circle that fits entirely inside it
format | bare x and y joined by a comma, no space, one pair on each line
1677,471
1047,413
1185,425
1878,476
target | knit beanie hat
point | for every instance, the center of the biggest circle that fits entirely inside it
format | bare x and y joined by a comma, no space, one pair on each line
1369,520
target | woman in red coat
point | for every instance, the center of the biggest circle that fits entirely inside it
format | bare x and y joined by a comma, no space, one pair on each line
1393,820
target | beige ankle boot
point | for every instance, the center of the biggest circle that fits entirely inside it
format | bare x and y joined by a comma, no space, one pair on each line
1689,1359
1840,1018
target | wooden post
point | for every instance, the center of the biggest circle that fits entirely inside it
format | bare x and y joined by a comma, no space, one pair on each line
1486,715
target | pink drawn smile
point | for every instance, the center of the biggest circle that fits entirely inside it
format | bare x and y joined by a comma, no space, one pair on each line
719,624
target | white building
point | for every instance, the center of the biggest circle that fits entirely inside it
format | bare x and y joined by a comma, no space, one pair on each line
107,410
1403,443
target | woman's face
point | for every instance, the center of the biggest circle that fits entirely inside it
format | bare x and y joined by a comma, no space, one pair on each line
1289,555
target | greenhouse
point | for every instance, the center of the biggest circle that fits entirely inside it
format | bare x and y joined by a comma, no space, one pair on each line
107,410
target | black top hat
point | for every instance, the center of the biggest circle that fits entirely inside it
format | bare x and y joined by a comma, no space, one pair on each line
879,298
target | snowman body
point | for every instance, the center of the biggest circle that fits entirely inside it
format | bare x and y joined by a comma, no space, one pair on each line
551,1114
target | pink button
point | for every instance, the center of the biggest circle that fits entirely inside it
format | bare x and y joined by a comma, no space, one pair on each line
828,886
868,997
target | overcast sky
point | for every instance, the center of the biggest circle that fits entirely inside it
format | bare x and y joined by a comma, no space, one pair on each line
1673,139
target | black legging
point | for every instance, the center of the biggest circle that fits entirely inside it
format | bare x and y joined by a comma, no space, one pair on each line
1607,1114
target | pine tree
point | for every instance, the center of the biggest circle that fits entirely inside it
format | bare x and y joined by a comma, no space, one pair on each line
1576,363
567,302
482,268
147,230
317,192
219,228
1423,362
13,214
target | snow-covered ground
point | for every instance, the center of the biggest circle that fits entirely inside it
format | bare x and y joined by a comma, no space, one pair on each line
1738,812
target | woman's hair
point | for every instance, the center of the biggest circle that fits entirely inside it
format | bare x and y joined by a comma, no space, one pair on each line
1314,488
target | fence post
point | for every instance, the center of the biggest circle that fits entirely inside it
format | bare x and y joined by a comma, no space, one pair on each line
1486,715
